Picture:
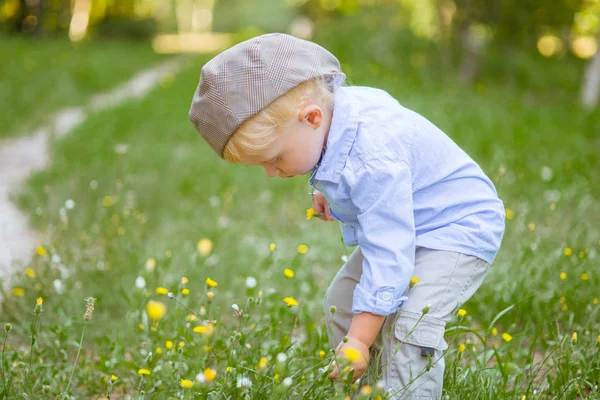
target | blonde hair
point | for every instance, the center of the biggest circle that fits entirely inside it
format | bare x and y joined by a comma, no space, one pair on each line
257,133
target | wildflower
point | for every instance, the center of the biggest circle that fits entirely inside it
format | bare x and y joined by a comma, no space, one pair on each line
19,292
170,295
366,390
332,309
200,377
228,369
30,273
494,331
321,353
243,382
290,301
140,282
150,264
462,348
352,354
250,282
262,364
507,337
584,276
186,383
310,213
510,214
184,280
169,345
141,327
210,295
38,305
563,276
161,290
567,251
562,299
156,310
181,343
211,283
210,374
281,357
158,351
41,251
598,338
7,327
413,281
89,308
113,378
462,312
185,291
288,273
287,382
595,301
144,371
107,201
39,301
574,337
302,249
58,286
272,246
426,309
204,247
200,329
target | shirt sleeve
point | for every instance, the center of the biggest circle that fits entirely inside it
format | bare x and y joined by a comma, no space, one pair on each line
382,192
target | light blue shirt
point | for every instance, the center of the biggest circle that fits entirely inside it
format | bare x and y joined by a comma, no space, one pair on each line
395,181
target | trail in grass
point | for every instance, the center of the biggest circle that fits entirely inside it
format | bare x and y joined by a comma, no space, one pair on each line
20,157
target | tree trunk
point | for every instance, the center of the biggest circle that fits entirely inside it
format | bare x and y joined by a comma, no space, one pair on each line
590,89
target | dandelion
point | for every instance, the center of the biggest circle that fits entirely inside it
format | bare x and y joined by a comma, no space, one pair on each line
262,364
38,305
462,312
113,378
494,331
310,213
158,351
211,283
89,308
462,348
507,337
210,374
161,290
184,280
563,276
595,301
186,383
185,291
200,329
143,371
156,310
321,353
19,292
366,390
30,273
413,281
204,247
351,354
169,345
228,369
574,337
288,273
567,251
41,251
510,214
302,249
584,276
290,301
272,247
39,301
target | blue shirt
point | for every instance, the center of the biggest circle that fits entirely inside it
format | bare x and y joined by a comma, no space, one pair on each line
395,181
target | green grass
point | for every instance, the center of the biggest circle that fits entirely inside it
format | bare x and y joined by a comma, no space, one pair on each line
42,76
168,191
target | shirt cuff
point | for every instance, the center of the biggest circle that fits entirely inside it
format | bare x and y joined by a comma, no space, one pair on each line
385,301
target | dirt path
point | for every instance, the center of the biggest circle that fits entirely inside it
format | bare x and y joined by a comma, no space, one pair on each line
23,155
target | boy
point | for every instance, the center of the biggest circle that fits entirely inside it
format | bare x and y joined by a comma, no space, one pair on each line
403,191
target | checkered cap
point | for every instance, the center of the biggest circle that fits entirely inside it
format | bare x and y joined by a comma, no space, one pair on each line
241,81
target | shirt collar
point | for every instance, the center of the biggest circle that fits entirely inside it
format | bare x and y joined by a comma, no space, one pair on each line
342,132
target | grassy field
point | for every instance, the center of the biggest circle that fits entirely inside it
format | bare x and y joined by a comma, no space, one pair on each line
135,205
42,76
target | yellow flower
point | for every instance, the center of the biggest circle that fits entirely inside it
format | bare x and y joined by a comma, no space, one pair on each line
113,378
272,246
19,292
156,310
184,280
290,301
161,290
41,251
595,301
39,301
185,291
567,251
141,327
598,338
310,213
191,317
351,354
30,273
158,351
366,390
209,374
181,343
321,353
413,281
107,201
262,364
151,264
584,276
288,273
186,383
144,371
563,276
200,329
210,295
169,345
574,336
510,214
531,226
211,283
562,299
494,331
462,312
507,337
228,369
204,247
302,249
461,348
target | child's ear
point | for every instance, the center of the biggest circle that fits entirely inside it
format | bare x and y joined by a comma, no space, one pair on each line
312,115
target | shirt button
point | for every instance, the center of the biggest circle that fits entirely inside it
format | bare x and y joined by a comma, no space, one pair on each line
386,296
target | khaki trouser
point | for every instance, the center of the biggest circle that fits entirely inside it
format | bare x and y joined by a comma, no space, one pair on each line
404,349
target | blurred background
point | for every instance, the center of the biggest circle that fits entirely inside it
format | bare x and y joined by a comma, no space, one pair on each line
463,39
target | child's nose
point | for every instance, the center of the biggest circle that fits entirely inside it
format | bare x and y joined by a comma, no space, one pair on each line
271,171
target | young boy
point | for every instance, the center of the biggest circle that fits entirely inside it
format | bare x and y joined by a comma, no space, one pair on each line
403,191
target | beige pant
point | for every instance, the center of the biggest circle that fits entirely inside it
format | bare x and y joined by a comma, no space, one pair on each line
400,353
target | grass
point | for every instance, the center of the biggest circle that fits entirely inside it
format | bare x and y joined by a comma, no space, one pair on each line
41,76
127,223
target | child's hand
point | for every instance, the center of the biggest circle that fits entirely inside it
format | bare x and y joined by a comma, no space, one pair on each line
355,351
320,206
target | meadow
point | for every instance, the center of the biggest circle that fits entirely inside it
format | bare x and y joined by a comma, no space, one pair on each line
208,279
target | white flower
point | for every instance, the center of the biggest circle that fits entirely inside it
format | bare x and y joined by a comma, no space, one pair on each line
547,173
200,377
243,382
55,258
140,282
235,307
58,286
281,357
171,295
250,282
70,204
287,382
